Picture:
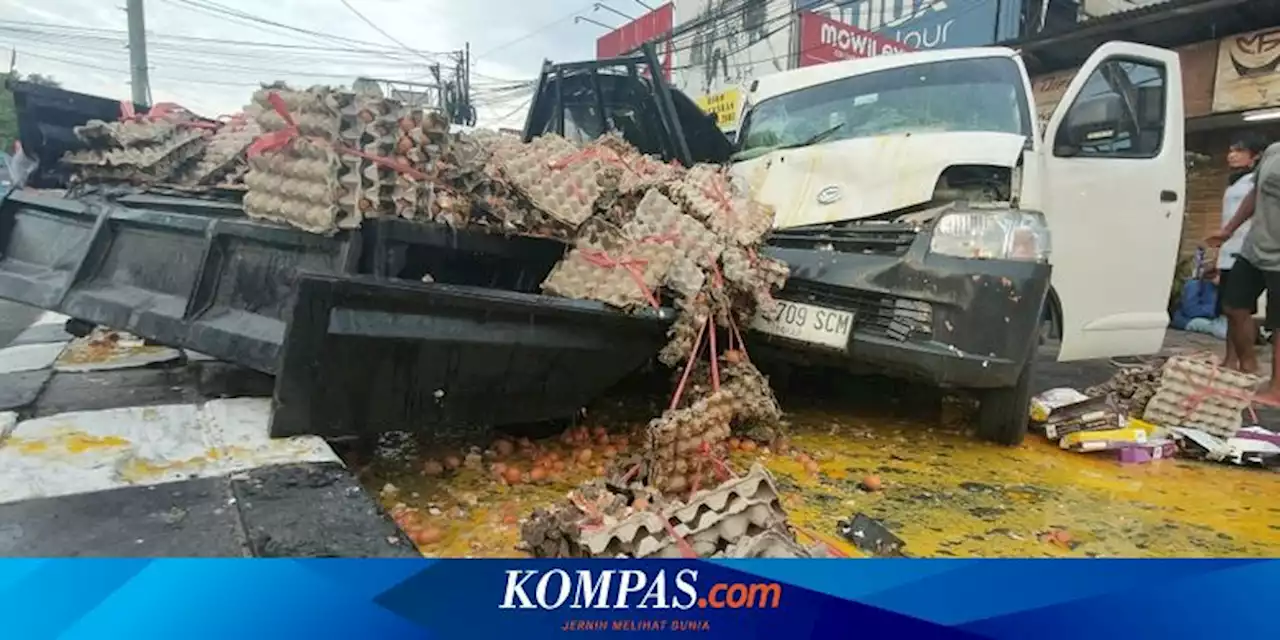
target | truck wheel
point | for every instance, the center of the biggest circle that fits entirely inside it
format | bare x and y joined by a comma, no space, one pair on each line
1003,413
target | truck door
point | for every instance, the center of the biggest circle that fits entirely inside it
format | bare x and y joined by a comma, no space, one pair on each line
1114,188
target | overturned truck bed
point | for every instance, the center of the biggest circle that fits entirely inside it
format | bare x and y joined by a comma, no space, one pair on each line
394,326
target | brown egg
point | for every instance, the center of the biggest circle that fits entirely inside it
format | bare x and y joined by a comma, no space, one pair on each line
734,444
510,518
452,462
512,475
428,535
782,446
553,456
567,437
538,474
640,504
602,439
677,484
599,432
620,442
584,456
802,458
733,356
525,444
599,470
872,483
432,468
608,452
504,448
748,445
811,467
558,465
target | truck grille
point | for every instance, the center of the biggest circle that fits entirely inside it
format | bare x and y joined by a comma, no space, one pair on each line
874,313
880,238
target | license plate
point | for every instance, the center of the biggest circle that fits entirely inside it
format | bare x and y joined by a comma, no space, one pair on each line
808,323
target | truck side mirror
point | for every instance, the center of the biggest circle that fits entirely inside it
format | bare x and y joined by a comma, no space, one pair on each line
1089,122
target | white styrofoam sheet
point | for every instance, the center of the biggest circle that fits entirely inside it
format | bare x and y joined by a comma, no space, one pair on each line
30,357
50,317
81,452
124,356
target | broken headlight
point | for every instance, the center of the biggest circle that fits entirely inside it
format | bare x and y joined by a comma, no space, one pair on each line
992,235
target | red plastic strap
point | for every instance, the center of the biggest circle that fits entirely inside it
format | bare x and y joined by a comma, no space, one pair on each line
384,162
723,471
688,366
683,545
742,346
632,265
715,355
126,110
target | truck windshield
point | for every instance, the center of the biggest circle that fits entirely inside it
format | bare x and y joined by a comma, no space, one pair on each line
975,94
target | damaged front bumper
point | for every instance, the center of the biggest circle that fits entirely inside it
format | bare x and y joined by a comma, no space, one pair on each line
950,321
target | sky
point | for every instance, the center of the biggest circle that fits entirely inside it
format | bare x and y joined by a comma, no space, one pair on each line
81,43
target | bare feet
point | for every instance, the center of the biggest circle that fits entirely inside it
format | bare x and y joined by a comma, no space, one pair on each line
1270,396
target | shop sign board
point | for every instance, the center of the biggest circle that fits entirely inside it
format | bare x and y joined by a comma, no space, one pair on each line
1248,74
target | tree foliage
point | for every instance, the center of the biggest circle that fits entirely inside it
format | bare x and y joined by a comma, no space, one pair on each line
8,116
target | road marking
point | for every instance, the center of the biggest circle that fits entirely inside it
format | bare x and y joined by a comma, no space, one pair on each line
85,451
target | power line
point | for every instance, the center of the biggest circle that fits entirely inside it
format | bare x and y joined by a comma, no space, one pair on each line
535,32
50,28
384,33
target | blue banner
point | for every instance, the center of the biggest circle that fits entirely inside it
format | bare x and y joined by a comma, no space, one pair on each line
348,599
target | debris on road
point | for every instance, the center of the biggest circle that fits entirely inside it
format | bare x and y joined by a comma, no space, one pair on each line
870,536
742,517
1044,404
1196,392
1131,387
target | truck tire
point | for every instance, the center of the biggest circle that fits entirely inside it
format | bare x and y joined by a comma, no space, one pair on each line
1003,413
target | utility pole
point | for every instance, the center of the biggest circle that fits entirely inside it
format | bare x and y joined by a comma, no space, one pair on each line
138,53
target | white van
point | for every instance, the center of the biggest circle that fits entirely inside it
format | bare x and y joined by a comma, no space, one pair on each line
920,208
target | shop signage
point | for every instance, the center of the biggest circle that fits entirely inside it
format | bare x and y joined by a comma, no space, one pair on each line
1248,75
724,106
927,24
823,39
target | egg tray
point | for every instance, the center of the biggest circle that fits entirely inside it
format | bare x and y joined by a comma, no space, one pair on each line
162,165
772,543
555,175
223,151
1131,388
712,522
680,440
1196,392
183,143
98,134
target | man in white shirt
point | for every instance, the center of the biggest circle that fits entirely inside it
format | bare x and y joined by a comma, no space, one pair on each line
1242,160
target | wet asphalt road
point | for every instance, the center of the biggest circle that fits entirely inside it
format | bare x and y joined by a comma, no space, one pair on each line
14,318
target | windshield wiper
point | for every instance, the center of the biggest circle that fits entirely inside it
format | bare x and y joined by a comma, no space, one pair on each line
756,152
814,139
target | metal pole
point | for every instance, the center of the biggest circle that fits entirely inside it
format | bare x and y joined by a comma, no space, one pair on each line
138,53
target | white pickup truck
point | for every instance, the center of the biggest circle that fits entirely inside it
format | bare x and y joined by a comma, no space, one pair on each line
919,206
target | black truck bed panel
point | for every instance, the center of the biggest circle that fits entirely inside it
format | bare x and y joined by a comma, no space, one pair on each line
357,341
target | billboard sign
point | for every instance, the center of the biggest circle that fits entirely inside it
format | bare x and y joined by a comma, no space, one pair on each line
653,26
825,40
928,24
731,43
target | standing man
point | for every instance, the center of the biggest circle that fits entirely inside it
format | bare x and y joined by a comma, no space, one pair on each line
1242,162
1256,269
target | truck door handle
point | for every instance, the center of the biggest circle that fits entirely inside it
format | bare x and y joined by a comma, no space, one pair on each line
1168,196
